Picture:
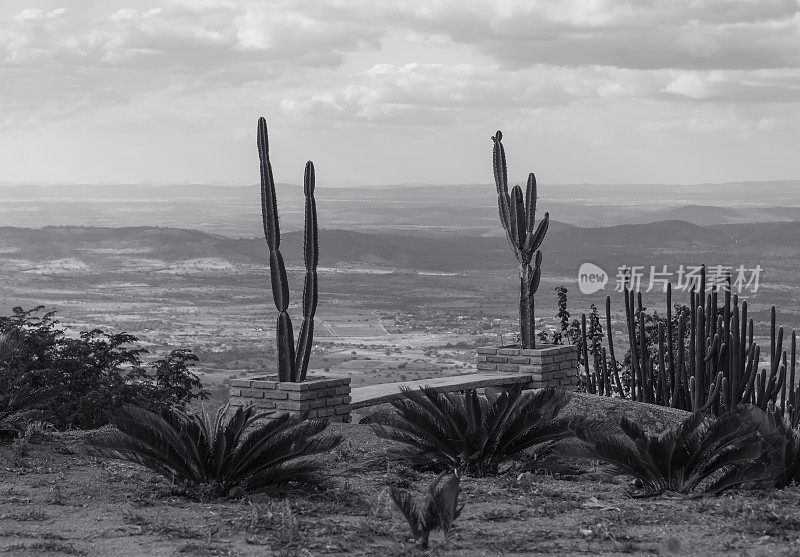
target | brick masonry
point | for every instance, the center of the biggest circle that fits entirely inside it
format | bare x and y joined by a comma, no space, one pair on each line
549,366
323,397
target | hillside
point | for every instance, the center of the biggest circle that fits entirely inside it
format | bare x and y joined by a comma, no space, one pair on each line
447,210
564,249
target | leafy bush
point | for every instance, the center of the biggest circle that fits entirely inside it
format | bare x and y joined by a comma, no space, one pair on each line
471,433
701,448
219,452
87,375
439,510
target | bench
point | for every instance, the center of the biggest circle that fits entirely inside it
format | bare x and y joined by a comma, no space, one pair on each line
372,395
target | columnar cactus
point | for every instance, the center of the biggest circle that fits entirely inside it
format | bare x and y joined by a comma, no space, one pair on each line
292,363
518,215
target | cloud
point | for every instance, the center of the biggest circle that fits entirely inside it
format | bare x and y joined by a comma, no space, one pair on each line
655,34
575,79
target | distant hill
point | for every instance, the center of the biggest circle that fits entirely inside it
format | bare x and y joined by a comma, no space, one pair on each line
706,215
656,234
565,246
420,210
701,215
763,234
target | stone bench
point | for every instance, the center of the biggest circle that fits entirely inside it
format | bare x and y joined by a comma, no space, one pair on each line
372,395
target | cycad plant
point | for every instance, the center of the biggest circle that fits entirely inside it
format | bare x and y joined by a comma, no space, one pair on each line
228,454
518,217
17,409
781,446
468,432
439,509
716,452
292,361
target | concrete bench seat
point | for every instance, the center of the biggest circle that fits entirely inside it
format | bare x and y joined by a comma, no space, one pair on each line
372,395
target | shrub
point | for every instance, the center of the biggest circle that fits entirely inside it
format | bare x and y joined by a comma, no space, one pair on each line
439,510
16,411
86,375
701,449
471,433
781,447
218,452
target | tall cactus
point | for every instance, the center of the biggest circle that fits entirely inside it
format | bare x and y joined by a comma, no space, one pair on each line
518,216
292,362
714,369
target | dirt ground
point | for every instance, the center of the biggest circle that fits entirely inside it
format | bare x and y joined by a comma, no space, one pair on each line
56,500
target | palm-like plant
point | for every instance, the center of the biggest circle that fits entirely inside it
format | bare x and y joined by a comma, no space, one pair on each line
17,409
227,453
471,433
781,446
439,510
701,448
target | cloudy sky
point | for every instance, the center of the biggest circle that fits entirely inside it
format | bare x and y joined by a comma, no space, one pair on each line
601,91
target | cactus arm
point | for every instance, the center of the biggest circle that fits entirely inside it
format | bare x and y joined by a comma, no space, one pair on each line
793,365
772,352
737,363
629,320
743,345
752,375
645,378
670,350
531,196
517,228
286,354
534,241
611,355
277,269
713,395
501,179
663,393
269,215
269,204
700,355
310,286
526,336
585,355
533,287
681,382
783,383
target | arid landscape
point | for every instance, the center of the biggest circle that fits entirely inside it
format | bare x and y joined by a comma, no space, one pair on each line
410,301
57,501
451,277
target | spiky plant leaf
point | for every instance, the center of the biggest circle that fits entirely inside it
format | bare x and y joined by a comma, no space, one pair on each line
17,409
680,459
408,507
468,432
444,491
225,451
780,442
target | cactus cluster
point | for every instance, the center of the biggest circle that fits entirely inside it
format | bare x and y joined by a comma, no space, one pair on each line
715,369
292,361
518,217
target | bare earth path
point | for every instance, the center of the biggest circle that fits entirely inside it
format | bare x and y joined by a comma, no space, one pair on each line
54,500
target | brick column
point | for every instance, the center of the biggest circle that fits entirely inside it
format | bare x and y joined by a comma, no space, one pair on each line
549,366
323,397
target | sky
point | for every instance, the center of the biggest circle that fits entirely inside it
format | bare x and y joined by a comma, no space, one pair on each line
585,91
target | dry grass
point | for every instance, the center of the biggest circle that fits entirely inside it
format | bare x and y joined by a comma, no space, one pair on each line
57,501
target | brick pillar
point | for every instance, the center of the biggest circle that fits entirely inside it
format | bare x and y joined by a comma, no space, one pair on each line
323,397
549,366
